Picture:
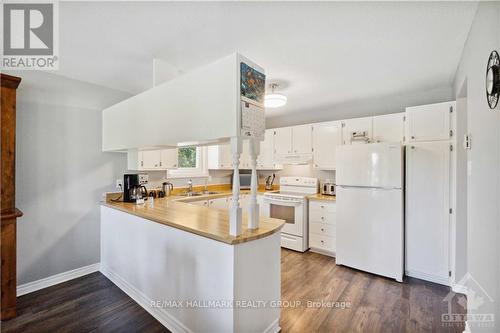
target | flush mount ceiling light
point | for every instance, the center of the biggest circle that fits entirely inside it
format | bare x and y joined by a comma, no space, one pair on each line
274,100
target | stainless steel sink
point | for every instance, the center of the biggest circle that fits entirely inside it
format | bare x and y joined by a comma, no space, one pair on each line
210,192
191,194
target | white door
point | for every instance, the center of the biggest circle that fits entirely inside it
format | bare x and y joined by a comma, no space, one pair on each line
283,140
370,165
356,125
429,122
325,139
370,230
302,139
150,159
427,210
389,128
265,160
169,158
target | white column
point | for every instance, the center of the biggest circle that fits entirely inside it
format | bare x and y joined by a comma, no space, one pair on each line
235,211
253,210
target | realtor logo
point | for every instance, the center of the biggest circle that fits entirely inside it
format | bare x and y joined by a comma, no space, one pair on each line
30,36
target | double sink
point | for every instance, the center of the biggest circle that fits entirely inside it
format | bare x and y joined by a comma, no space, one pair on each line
197,194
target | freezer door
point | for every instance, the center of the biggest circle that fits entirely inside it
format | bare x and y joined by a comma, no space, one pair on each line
370,230
371,165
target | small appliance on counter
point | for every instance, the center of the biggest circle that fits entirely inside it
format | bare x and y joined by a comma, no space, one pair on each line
166,189
269,182
133,187
327,187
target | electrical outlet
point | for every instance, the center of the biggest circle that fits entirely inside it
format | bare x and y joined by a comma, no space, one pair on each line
119,184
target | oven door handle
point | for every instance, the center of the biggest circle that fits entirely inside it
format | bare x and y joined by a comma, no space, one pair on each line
283,202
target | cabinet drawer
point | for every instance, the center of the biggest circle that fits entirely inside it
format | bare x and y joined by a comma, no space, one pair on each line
322,242
322,229
322,217
321,206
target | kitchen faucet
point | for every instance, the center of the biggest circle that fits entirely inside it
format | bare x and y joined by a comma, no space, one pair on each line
190,186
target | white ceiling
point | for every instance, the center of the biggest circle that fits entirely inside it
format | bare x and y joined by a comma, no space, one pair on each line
323,53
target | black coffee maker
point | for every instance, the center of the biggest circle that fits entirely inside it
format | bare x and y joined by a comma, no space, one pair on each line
133,187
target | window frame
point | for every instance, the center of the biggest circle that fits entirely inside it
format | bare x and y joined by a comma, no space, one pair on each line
200,171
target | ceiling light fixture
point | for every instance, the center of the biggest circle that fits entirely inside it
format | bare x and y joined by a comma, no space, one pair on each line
274,100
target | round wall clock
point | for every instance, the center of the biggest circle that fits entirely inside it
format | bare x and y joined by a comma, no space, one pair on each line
493,79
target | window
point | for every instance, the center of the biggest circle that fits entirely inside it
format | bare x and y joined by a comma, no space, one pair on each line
192,163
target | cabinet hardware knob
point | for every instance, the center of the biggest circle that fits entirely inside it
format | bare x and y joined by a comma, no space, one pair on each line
322,241
322,206
322,218
412,137
322,229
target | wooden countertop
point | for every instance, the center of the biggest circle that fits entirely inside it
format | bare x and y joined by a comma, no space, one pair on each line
213,223
322,197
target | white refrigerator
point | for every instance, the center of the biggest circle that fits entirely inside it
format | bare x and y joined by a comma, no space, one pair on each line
370,216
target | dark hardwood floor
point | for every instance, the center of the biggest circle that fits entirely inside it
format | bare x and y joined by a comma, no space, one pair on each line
371,304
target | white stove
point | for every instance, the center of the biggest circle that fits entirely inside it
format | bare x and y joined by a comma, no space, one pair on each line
290,204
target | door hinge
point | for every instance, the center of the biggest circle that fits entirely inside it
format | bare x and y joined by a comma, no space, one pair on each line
451,133
343,124
451,210
449,273
404,138
451,109
404,118
312,149
467,142
274,132
451,147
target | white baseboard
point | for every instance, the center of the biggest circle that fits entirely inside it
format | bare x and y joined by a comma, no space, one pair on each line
459,289
56,279
428,277
159,314
274,327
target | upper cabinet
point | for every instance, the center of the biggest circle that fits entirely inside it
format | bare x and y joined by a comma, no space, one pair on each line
357,130
389,128
219,157
429,122
326,137
283,141
152,159
265,161
293,145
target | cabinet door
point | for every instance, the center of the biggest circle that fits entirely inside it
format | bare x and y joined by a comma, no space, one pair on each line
169,158
219,157
266,155
389,128
302,139
429,122
325,139
283,140
245,155
200,203
150,159
427,210
356,125
220,203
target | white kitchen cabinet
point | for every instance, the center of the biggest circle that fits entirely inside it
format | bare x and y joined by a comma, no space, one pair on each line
265,160
283,141
356,126
245,155
428,211
219,157
389,128
200,203
220,203
169,158
150,160
322,224
429,122
301,139
326,137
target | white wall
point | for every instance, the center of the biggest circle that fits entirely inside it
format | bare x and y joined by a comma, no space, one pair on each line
483,232
61,173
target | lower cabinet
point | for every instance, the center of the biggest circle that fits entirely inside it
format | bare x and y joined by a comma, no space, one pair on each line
322,222
225,202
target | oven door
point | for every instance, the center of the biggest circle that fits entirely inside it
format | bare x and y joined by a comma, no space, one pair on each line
292,211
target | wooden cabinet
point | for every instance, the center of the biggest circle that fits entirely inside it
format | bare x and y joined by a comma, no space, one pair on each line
389,128
9,212
352,128
429,122
326,137
322,223
152,159
428,210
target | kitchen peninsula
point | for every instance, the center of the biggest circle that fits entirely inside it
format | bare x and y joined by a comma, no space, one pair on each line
179,262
